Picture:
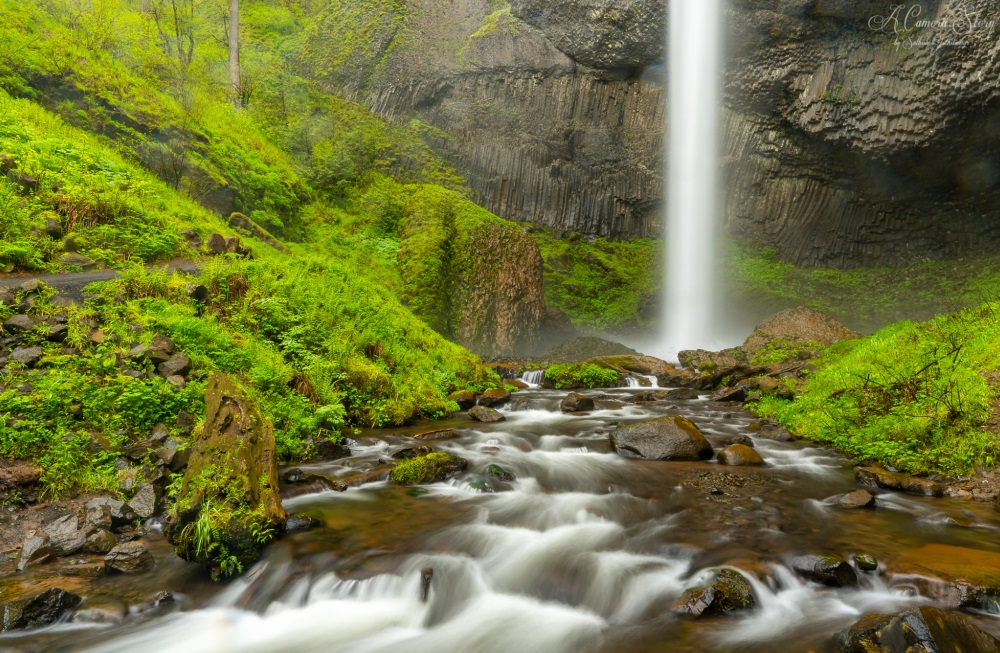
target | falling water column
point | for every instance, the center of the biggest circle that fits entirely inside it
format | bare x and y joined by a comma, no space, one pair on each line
694,91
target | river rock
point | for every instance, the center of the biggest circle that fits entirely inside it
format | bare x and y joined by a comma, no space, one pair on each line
865,561
146,501
729,394
68,543
726,592
681,394
35,550
499,473
121,512
827,569
857,499
663,438
575,402
740,455
921,487
326,450
493,397
432,468
874,476
97,517
37,609
463,398
100,542
63,526
486,415
230,483
922,629
129,558
439,434
518,404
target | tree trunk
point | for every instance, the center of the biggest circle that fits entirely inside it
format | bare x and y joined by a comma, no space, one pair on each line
234,52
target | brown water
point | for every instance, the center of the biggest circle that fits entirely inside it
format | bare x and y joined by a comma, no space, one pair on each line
585,551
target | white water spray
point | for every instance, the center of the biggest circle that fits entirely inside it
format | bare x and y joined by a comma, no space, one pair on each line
695,65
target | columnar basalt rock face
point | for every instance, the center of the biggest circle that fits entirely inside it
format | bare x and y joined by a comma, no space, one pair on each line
847,141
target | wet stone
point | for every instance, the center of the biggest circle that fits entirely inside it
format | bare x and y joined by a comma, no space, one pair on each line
873,476
921,487
37,609
725,592
923,629
100,542
857,499
486,415
129,558
575,402
740,455
827,569
865,562
35,550
499,473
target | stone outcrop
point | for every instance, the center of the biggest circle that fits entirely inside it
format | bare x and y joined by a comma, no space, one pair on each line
849,140
475,279
229,504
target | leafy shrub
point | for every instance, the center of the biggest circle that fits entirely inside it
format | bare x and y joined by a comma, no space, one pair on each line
580,375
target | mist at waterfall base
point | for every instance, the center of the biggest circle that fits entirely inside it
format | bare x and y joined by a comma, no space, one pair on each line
690,316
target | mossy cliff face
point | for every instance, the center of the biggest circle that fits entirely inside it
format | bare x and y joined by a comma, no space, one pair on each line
474,278
228,507
847,144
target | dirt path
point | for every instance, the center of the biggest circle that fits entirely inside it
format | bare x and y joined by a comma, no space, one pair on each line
71,284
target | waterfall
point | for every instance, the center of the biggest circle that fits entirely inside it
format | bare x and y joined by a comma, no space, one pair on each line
694,44
533,377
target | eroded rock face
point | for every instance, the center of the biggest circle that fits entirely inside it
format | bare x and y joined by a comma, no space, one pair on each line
844,145
230,485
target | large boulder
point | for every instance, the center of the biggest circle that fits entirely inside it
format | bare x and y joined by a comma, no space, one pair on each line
229,504
576,402
486,415
37,609
796,327
431,468
664,438
129,558
919,629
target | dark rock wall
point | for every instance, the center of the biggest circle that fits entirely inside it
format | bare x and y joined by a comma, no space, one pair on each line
846,143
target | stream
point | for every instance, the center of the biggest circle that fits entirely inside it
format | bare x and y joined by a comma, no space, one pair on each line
583,552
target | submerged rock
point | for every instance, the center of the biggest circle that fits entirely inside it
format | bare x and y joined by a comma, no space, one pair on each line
37,609
230,487
486,415
663,438
740,455
575,402
499,473
923,629
726,592
827,569
438,434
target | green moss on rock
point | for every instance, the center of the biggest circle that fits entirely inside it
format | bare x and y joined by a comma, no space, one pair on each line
432,468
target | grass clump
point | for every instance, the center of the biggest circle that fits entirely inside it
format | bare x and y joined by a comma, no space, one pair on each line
580,375
916,397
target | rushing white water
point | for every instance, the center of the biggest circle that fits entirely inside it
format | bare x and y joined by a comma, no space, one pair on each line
635,382
694,46
533,377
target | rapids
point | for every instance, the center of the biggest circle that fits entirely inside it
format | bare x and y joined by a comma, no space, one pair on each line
584,552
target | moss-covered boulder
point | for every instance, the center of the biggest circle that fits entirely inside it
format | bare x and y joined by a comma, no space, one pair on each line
725,592
432,468
794,333
229,506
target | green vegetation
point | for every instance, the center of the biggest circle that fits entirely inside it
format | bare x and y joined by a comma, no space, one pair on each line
580,375
425,469
781,350
918,291
603,284
913,396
